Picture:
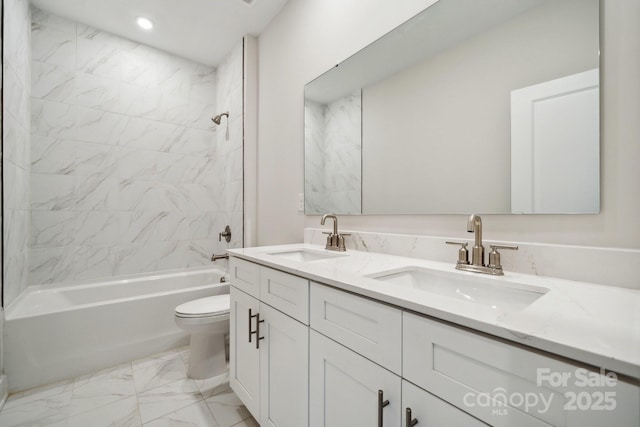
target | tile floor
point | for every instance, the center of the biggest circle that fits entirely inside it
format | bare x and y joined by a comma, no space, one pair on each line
150,392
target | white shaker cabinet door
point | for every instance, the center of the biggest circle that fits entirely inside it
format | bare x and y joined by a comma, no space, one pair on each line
284,370
429,410
344,388
244,354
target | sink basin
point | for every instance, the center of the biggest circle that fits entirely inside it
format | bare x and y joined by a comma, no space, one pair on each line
305,255
488,292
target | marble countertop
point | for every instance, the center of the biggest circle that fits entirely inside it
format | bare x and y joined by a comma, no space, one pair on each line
594,324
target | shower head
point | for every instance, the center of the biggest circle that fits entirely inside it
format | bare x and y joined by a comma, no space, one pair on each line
217,118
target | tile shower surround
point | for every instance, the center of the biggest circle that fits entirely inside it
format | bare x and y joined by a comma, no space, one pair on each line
128,173
16,145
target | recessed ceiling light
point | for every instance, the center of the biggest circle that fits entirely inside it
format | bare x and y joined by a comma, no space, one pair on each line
144,23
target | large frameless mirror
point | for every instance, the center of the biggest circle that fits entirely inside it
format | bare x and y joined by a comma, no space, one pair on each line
488,107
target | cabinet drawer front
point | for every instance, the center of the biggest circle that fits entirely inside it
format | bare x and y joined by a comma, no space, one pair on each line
245,275
430,410
344,387
481,374
287,293
372,329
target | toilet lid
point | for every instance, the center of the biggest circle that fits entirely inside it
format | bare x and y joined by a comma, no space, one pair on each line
208,306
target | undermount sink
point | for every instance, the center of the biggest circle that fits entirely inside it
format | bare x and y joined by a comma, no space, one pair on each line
305,255
489,292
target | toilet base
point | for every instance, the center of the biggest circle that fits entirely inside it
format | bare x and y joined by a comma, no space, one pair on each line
207,356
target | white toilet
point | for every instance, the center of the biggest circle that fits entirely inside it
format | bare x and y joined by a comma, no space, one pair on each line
207,320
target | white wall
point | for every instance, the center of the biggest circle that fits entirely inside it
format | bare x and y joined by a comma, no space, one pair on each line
310,36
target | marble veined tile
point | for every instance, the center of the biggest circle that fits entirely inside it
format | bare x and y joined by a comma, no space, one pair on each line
39,393
121,413
197,415
102,388
53,119
168,398
210,387
158,374
51,82
227,409
50,410
53,46
249,422
45,19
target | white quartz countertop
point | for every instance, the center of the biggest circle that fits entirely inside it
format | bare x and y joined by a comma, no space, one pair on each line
594,324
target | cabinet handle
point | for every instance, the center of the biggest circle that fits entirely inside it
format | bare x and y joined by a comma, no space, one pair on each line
410,420
258,337
251,316
381,404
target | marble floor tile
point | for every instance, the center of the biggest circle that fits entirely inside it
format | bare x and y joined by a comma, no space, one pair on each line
121,413
95,390
38,393
227,409
43,412
168,398
153,391
215,385
151,375
249,422
196,415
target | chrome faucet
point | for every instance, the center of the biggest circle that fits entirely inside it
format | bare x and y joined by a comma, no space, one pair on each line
474,225
335,240
477,265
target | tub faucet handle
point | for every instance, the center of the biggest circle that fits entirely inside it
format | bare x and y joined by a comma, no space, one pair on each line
226,234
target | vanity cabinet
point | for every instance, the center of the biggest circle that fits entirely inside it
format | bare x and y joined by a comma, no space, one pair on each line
269,348
331,358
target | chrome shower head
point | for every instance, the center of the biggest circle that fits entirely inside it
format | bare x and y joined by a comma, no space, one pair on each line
217,118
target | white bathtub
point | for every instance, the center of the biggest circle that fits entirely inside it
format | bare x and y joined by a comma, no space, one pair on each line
55,332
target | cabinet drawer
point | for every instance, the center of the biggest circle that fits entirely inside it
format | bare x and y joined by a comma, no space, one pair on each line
479,374
287,293
245,276
372,329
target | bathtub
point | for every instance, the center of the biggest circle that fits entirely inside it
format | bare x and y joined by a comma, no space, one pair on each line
55,332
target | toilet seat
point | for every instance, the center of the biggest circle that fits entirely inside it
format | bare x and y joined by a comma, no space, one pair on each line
218,305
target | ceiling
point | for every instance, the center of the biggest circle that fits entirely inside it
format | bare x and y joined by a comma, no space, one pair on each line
200,30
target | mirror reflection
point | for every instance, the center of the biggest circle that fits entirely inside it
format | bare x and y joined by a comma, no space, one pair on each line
495,103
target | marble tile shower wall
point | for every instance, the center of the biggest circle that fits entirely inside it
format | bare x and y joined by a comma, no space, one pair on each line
16,147
334,152
126,174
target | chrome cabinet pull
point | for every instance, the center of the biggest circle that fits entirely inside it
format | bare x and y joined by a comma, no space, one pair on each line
251,316
258,337
410,420
381,405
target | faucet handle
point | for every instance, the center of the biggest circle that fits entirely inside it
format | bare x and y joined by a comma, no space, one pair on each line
463,253
494,255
